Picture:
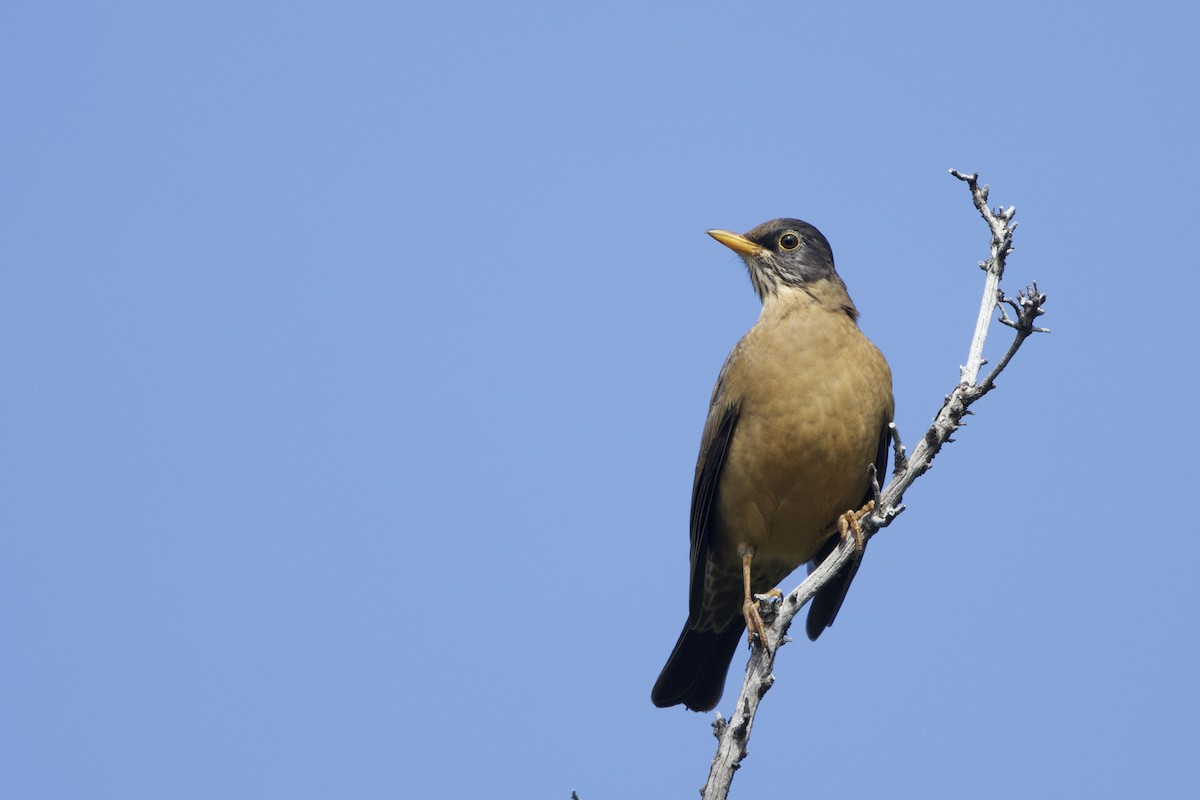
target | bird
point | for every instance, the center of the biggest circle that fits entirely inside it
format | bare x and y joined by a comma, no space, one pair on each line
801,409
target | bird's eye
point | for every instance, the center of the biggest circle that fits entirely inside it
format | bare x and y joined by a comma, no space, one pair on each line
789,241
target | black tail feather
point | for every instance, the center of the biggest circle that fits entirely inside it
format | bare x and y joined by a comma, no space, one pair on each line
695,672
823,609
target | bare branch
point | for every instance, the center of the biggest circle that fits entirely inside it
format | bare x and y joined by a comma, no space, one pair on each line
1028,307
899,455
1000,223
733,736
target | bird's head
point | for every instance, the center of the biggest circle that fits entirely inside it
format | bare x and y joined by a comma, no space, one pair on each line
782,253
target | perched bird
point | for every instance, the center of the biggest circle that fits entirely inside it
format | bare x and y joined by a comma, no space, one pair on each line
800,411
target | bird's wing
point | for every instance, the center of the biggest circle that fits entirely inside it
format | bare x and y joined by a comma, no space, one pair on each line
714,444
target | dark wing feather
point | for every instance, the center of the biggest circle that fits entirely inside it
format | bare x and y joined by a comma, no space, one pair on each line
718,433
695,673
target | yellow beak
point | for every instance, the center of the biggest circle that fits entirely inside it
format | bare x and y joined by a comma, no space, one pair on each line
736,242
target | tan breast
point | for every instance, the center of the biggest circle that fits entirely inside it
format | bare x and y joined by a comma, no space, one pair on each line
813,393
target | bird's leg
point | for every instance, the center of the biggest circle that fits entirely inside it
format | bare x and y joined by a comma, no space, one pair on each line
755,629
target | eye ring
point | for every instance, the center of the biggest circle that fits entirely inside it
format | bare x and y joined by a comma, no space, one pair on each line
789,241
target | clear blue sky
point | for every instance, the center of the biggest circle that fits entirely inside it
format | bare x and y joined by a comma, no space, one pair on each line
355,358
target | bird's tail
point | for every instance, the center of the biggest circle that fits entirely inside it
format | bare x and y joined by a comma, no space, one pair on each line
695,672
828,600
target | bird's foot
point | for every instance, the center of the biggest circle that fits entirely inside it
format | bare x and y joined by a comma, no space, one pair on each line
756,630
767,603
850,529
768,606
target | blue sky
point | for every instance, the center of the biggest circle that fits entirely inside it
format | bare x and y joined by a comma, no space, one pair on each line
356,357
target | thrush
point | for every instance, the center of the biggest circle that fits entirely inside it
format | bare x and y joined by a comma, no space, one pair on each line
799,414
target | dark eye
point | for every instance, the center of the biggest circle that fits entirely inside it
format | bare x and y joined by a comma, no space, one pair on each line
789,241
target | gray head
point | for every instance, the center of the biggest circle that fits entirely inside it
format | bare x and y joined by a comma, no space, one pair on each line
782,252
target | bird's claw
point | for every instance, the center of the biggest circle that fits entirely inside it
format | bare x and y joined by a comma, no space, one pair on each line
763,605
769,602
756,630
851,530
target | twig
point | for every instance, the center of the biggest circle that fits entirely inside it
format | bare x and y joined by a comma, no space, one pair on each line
733,736
998,221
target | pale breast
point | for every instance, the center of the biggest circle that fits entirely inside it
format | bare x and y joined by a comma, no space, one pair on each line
814,394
